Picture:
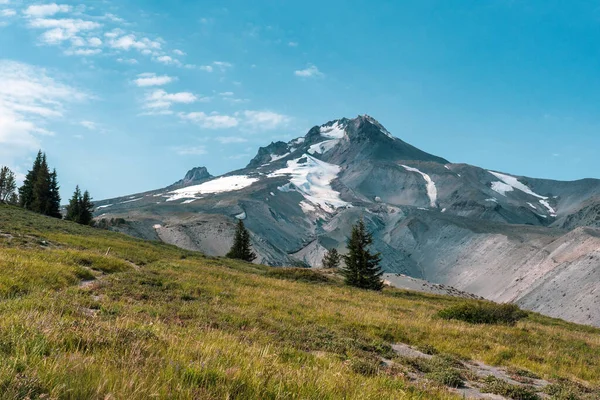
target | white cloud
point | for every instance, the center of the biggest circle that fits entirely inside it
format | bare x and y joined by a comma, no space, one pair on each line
150,79
168,60
59,30
264,120
92,126
226,94
113,18
95,42
207,68
130,41
130,61
223,65
249,120
211,121
190,151
231,139
310,72
179,52
8,12
159,102
82,52
29,99
46,10
293,44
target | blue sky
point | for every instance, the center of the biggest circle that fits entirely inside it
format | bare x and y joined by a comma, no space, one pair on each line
126,96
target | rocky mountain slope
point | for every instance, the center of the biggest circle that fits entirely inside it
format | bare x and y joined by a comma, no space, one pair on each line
506,238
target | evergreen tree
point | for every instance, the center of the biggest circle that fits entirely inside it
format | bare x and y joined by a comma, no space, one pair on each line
54,197
8,184
80,208
73,211
41,189
26,197
362,267
332,259
241,249
86,209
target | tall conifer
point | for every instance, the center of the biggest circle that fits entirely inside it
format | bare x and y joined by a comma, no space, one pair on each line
242,248
362,267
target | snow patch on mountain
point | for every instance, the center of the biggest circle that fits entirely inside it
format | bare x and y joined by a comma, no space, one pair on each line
219,185
501,188
312,178
514,183
101,207
431,188
551,210
323,147
336,131
277,158
131,201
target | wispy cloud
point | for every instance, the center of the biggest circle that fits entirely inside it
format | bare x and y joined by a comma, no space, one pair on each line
168,60
310,72
8,12
247,120
92,126
159,102
190,151
231,139
29,99
211,121
264,120
151,79
46,10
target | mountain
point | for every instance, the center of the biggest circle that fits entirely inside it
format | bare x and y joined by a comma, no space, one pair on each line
507,238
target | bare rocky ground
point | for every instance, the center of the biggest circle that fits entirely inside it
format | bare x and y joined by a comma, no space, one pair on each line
401,281
474,372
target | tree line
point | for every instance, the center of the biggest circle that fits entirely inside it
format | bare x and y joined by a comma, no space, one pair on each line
361,266
40,193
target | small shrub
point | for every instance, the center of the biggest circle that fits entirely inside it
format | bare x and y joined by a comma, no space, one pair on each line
365,367
484,313
427,349
498,386
565,389
448,377
298,275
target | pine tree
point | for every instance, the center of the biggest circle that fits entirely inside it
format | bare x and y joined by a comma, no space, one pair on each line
54,197
8,184
332,259
86,209
80,208
26,197
241,249
362,267
41,189
73,211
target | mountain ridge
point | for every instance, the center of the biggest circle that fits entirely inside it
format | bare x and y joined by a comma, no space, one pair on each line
430,218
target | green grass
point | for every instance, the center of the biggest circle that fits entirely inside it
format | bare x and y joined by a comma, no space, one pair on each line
160,322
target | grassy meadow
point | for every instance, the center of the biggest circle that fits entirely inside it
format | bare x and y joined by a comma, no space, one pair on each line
90,314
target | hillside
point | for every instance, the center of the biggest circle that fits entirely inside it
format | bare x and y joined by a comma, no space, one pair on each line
91,314
447,223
